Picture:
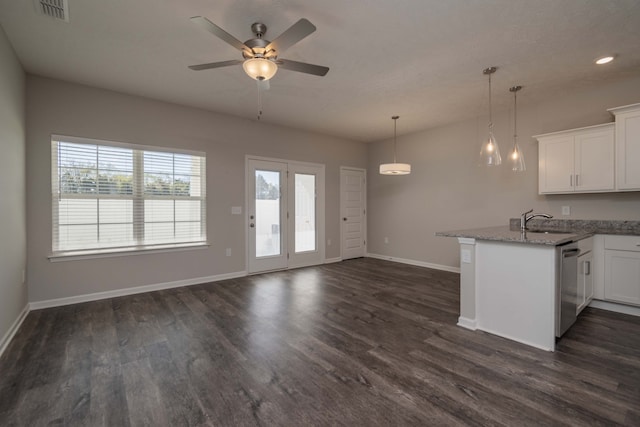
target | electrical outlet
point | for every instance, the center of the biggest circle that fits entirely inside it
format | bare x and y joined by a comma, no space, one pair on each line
465,254
566,210
228,251
328,242
386,240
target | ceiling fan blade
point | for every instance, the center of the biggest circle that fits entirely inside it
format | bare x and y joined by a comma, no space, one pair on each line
211,65
292,35
209,26
263,84
302,67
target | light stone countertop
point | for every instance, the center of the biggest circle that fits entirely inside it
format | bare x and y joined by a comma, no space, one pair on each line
552,232
506,234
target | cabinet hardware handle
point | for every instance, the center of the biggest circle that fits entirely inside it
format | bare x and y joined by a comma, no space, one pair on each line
571,180
577,180
587,268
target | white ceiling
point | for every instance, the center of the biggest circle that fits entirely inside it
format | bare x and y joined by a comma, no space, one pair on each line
420,59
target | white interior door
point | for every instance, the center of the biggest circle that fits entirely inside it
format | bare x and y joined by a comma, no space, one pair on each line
266,215
285,214
353,209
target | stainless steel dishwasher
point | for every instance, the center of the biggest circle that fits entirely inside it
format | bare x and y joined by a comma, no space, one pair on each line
566,287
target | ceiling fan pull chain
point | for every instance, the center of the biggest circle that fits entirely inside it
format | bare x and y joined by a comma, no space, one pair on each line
259,102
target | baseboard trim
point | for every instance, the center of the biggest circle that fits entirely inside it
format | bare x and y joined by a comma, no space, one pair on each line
618,308
38,305
467,323
332,260
4,343
416,263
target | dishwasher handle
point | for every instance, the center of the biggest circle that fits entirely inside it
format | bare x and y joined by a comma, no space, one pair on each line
570,253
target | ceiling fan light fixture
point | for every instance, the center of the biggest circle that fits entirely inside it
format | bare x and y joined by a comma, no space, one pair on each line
260,68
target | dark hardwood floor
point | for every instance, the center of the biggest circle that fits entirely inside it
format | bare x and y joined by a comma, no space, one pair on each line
361,342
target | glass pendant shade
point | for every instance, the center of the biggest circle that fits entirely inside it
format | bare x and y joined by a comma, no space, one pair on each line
395,168
516,158
490,152
260,68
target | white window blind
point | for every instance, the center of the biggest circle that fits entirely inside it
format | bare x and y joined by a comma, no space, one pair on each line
109,195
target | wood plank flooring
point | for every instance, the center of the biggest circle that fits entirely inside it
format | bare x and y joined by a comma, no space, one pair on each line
361,342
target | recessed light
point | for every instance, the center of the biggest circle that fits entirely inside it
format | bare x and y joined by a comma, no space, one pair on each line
604,60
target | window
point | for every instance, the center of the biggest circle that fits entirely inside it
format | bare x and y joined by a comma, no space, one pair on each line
114,196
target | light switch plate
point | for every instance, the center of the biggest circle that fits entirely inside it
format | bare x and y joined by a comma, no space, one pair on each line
465,254
236,210
566,210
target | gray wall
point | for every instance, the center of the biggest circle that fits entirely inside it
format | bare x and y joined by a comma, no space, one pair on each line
13,235
447,190
70,109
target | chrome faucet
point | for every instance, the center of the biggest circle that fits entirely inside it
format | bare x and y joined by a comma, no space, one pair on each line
525,217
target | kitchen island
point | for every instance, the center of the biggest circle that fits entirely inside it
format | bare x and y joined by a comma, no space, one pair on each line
509,280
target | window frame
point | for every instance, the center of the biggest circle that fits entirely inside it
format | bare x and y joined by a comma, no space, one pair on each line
138,198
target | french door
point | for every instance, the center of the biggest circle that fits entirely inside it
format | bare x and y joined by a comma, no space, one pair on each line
285,214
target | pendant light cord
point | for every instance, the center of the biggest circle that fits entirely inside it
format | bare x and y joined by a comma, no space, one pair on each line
490,113
395,123
515,117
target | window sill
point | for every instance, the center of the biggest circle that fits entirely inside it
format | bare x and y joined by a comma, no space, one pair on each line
120,252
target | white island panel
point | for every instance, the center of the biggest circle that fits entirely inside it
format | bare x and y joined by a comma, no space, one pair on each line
515,292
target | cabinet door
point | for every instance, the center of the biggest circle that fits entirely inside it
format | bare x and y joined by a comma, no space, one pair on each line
628,150
594,163
622,272
585,281
555,165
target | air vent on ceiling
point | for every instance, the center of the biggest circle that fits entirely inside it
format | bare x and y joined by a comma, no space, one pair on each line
58,9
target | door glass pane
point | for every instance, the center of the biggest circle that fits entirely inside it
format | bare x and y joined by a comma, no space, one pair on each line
305,212
267,213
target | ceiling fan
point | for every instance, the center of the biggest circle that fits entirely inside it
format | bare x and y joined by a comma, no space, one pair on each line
261,60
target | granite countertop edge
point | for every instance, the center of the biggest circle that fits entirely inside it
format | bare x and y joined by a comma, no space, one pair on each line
547,232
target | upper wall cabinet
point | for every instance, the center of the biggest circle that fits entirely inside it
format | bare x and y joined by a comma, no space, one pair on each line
577,160
627,147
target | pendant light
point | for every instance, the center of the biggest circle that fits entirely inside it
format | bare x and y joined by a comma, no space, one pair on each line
395,168
490,152
516,159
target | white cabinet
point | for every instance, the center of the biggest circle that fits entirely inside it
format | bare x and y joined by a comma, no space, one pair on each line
577,161
627,128
585,273
622,269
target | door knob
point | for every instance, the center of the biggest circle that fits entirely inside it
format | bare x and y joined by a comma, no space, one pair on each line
252,225
344,219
